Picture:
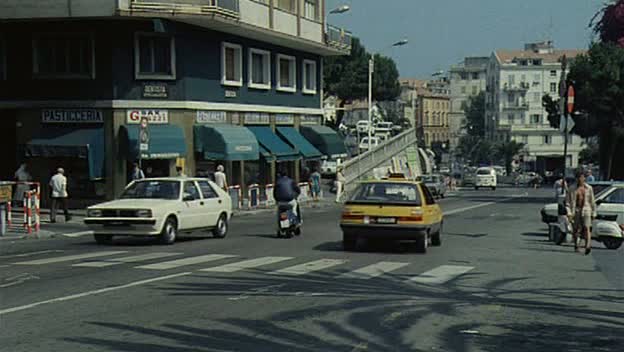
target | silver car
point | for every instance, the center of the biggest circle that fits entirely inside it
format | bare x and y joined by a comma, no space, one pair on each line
436,185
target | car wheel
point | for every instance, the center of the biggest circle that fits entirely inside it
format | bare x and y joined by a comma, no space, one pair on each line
169,232
436,238
220,231
476,188
349,242
422,243
103,239
612,242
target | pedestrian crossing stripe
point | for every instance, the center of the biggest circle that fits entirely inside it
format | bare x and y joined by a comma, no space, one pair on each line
435,276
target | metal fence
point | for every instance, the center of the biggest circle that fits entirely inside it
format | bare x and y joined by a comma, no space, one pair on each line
228,8
339,37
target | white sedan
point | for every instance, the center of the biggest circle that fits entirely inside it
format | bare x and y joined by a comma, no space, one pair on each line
162,207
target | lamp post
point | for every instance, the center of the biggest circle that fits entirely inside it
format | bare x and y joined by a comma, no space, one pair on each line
371,69
340,9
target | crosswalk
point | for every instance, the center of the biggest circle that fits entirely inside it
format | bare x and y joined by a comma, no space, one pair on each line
341,269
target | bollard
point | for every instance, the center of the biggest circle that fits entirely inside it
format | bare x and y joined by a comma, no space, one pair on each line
3,219
254,196
270,200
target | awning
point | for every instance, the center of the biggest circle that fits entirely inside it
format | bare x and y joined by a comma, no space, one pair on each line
273,144
166,142
326,140
225,142
300,144
64,142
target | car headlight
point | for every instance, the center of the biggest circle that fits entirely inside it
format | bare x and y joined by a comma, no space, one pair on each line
144,213
94,213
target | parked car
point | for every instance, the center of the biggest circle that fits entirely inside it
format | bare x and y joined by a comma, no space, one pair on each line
374,143
162,208
383,128
436,185
601,190
363,126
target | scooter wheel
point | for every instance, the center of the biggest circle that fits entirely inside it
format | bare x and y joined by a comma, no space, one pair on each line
298,231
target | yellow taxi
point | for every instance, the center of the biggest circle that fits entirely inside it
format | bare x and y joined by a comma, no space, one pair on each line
392,209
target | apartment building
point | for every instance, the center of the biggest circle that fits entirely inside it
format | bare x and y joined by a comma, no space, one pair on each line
233,82
516,82
467,80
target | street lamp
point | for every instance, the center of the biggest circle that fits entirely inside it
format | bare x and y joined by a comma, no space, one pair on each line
371,69
340,9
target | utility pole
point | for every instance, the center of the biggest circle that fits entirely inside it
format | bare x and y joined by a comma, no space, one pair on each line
563,89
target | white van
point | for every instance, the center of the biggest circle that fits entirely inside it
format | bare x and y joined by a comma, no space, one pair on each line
485,177
364,143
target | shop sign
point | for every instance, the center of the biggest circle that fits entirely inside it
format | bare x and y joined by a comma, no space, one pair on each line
235,118
284,119
243,148
153,116
71,116
310,119
155,90
210,117
257,118
160,155
230,94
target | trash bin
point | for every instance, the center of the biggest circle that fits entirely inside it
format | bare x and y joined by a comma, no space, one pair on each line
3,219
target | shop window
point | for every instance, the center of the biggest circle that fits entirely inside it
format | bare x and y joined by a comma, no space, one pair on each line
63,56
286,5
309,77
286,73
231,64
3,58
259,69
310,9
154,56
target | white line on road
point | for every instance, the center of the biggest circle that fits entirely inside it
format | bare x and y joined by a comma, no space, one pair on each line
78,234
186,261
31,253
70,258
441,274
90,293
374,270
132,259
247,264
309,267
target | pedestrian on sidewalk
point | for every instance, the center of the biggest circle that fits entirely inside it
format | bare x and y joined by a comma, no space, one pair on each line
58,184
315,183
180,171
581,207
340,182
220,178
21,175
137,173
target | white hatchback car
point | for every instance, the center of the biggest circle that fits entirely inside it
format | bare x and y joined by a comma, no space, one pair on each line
162,207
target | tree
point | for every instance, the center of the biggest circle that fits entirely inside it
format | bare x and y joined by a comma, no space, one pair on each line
609,23
386,85
506,151
475,149
475,115
591,153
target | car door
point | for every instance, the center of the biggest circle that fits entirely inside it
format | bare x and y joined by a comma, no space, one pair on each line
432,212
192,209
213,204
612,206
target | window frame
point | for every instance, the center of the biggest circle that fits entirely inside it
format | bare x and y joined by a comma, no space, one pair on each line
293,73
547,139
553,73
316,10
305,89
62,35
266,67
555,89
238,66
293,11
197,190
138,75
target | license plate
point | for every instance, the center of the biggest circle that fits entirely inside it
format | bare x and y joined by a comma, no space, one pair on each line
386,220
285,223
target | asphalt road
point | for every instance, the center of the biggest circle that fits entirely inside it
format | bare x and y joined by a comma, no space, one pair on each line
496,284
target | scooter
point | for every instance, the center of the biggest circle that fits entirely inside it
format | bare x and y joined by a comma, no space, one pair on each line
289,224
609,233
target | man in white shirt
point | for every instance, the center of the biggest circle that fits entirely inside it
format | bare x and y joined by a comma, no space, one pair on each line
220,178
58,185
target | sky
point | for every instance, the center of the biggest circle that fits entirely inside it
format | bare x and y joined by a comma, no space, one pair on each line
442,32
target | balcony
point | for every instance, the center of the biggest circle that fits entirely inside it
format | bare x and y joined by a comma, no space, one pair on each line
225,8
338,38
521,87
516,106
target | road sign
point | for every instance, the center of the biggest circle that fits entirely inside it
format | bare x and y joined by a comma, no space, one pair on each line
570,99
562,123
144,136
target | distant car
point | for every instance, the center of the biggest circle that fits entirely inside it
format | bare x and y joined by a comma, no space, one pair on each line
163,208
444,170
363,126
328,167
436,184
485,177
383,128
393,209
528,178
375,141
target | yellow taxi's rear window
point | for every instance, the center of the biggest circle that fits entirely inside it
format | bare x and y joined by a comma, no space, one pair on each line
387,193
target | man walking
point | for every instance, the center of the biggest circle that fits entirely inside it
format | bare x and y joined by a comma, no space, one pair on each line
137,173
58,184
581,207
220,178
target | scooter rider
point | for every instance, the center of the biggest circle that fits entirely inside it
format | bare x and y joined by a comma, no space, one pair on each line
286,192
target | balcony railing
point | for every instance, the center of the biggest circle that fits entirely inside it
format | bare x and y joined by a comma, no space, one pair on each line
516,106
226,8
338,38
523,86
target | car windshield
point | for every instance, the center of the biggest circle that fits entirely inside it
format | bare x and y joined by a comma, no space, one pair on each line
152,190
390,193
484,172
428,178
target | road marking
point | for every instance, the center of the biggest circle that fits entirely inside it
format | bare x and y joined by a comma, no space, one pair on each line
441,274
91,293
32,253
465,209
70,258
132,259
374,270
19,279
247,264
309,267
78,234
186,261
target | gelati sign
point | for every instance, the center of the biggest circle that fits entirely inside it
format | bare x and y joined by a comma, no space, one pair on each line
71,116
154,117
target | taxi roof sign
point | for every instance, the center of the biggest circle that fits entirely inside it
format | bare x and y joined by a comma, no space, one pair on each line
397,175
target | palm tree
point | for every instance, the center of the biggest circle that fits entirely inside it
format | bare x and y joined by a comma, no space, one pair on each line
506,151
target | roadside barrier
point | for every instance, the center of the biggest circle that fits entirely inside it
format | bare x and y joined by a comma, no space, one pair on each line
253,195
31,204
305,192
270,200
236,196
